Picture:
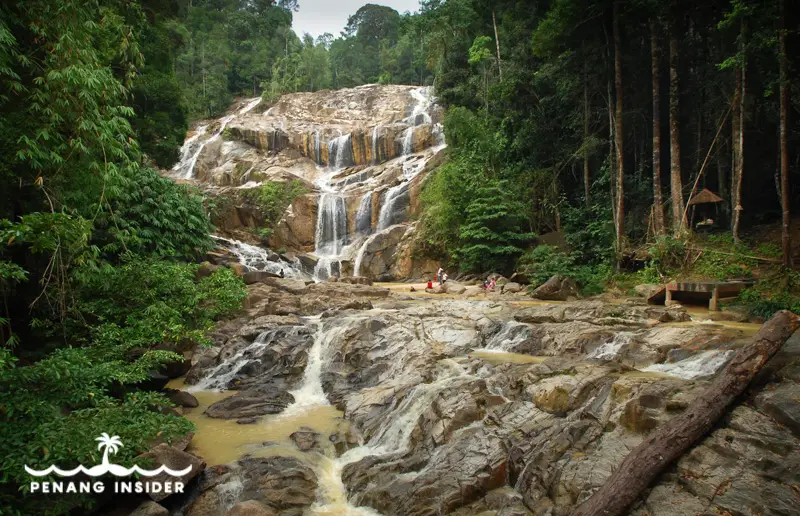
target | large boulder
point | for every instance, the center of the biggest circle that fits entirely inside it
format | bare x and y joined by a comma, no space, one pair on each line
165,455
557,288
251,277
296,230
269,486
251,508
258,401
149,508
181,398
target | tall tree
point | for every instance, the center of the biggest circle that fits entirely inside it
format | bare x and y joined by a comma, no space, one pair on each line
676,183
586,178
620,211
658,202
739,97
784,107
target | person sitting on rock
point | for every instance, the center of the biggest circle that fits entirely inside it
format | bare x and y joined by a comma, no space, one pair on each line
430,285
281,273
444,278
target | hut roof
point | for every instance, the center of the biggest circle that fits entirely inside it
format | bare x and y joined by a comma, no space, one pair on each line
705,195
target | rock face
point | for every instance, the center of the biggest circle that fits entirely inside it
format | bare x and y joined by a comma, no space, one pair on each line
266,486
557,288
165,455
361,154
463,406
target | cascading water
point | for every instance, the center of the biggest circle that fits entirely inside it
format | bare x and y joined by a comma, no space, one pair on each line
250,105
360,255
393,206
340,152
187,166
219,377
393,436
188,152
258,259
375,145
330,235
364,215
705,363
511,335
611,349
392,210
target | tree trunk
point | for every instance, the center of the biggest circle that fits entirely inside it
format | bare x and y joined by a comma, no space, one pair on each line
741,85
618,130
658,200
497,44
586,184
737,93
652,456
784,92
676,183
612,174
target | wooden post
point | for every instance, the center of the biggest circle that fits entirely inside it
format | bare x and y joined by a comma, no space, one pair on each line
713,304
668,293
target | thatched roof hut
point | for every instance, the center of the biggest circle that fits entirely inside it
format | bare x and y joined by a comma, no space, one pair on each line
705,196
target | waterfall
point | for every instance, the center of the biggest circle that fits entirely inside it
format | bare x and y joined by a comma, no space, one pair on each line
317,148
511,335
330,235
187,148
392,210
408,141
221,375
612,348
375,145
340,152
223,123
364,215
258,259
361,252
331,232
250,105
310,393
705,363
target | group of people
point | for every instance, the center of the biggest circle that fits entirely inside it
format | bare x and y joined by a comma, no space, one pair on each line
489,284
440,276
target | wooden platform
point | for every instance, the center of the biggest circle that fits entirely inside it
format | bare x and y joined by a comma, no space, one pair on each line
698,291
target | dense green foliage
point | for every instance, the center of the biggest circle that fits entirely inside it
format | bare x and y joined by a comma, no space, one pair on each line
272,198
534,108
94,292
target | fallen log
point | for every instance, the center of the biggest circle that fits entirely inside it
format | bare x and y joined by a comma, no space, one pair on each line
668,443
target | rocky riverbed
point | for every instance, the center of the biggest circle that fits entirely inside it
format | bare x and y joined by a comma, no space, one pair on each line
338,398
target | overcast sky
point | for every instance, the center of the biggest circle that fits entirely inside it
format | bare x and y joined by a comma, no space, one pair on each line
320,16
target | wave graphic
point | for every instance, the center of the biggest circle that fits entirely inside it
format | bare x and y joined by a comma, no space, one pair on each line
102,469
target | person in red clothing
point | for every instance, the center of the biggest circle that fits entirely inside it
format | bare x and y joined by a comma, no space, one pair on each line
430,284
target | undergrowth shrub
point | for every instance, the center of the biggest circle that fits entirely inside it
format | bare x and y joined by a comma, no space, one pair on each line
544,261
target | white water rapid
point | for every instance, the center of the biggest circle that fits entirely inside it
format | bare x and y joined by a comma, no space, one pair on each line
392,437
258,259
703,364
191,148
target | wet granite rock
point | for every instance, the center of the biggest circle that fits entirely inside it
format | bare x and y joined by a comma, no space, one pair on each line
174,459
181,398
258,401
557,288
305,439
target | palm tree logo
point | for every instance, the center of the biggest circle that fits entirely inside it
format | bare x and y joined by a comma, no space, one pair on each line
108,443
